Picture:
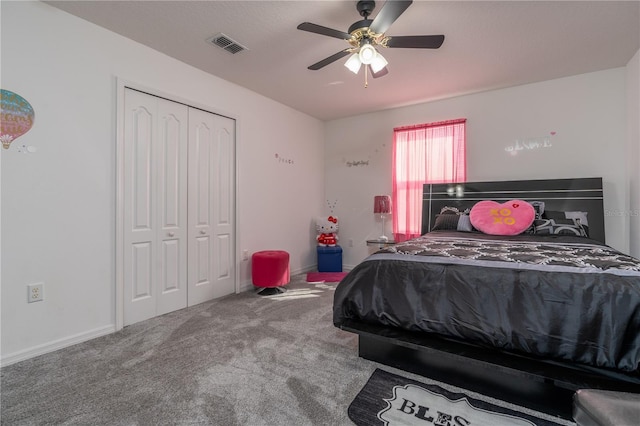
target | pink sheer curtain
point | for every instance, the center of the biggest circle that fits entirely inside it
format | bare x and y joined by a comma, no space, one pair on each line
424,153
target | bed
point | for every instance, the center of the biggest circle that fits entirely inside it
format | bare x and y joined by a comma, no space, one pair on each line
556,312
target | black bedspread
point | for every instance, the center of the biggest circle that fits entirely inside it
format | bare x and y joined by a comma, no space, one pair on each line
557,297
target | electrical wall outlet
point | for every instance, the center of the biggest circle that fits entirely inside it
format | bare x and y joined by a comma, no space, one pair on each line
35,292
245,254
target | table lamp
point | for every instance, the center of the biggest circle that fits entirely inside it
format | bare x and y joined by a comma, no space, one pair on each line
382,206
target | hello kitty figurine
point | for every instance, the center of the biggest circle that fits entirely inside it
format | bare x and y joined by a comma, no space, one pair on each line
327,231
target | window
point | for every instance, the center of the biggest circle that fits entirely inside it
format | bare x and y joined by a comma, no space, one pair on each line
424,153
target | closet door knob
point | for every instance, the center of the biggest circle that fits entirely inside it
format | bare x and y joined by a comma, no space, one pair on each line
171,234
202,231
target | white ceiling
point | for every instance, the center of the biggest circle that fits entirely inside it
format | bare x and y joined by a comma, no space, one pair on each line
488,45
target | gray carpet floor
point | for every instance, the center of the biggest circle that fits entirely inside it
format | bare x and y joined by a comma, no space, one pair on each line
240,360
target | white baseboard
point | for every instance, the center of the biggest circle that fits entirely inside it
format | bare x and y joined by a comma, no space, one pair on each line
55,345
92,334
305,269
245,286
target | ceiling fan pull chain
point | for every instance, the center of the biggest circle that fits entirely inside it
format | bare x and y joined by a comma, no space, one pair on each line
366,73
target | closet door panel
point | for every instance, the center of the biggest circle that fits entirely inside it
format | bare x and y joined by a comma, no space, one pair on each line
171,269
203,264
171,165
141,267
172,202
200,202
141,189
203,189
224,166
224,184
155,206
140,245
223,258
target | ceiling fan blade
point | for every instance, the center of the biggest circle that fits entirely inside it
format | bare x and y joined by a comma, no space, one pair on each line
416,42
384,71
319,29
391,10
330,59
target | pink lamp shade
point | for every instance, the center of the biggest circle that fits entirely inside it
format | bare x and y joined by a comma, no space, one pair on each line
382,204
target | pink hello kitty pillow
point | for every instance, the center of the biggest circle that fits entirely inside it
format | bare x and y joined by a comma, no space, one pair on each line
510,218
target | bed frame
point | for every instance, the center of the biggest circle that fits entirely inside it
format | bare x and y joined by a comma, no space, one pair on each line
541,384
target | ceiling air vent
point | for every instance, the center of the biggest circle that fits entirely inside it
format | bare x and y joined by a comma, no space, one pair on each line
227,43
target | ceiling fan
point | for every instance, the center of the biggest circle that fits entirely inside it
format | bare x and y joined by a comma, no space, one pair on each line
366,35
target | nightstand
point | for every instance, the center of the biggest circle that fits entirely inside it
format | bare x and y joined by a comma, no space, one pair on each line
380,243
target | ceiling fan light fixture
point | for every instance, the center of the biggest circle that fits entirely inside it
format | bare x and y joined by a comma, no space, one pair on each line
378,63
353,63
367,53
366,35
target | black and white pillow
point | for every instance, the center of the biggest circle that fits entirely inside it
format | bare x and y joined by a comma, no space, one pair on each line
451,219
577,218
559,227
538,207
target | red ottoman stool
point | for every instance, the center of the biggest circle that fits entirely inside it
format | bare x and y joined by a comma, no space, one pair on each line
270,270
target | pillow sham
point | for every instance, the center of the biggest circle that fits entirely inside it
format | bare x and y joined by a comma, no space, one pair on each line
464,223
575,222
451,219
446,222
560,227
551,214
510,218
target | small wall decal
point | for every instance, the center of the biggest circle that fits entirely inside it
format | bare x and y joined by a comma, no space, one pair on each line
16,117
26,149
364,162
281,159
332,206
529,144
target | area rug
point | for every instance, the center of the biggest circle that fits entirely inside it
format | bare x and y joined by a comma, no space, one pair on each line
391,400
326,277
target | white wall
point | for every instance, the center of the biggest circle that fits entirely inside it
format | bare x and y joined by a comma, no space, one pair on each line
583,116
633,125
58,204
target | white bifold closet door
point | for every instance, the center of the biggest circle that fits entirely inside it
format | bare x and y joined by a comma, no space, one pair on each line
211,201
178,206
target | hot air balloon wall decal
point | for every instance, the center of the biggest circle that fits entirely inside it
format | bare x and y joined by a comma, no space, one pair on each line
16,117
